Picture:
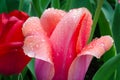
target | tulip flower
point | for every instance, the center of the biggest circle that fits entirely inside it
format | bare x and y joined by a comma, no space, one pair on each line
118,1
58,42
12,57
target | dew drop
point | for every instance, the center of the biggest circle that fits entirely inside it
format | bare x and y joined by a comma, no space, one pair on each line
31,54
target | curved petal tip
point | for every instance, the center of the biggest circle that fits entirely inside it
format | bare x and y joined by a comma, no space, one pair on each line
98,46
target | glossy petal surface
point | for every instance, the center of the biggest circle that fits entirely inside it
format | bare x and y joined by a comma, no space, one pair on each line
37,45
58,41
12,57
64,39
50,19
81,63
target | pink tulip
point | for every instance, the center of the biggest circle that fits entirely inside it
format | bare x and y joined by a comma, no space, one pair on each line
58,41
118,1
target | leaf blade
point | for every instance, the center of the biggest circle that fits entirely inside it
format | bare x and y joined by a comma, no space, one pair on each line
106,68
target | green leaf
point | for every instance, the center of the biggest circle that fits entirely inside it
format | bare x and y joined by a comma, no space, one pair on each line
108,12
96,17
31,10
8,5
24,72
116,27
63,4
21,4
31,67
26,5
81,3
3,6
55,3
68,4
44,4
40,5
12,5
116,33
104,27
36,4
107,69
28,8
20,77
112,2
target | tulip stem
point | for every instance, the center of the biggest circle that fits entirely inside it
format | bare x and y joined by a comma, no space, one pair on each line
21,5
96,16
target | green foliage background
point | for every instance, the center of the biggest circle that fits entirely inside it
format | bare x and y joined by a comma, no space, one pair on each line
106,21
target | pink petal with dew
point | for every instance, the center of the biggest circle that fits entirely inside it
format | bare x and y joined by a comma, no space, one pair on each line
50,18
84,32
32,26
81,63
64,39
37,45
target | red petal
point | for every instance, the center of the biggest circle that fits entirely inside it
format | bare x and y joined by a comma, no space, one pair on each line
5,47
6,28
81,63
19,14
37,45
7,21
50,19
64,39
12,58
14,32
3,20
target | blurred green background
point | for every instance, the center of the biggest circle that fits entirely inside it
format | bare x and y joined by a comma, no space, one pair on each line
106,21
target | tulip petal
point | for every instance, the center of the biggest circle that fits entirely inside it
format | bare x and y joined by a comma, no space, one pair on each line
3,20
32,26
11,56
14,32
37,45
81,63
84,32
50,18
5,47
36,42
64,39
19,14
5,29
43,70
